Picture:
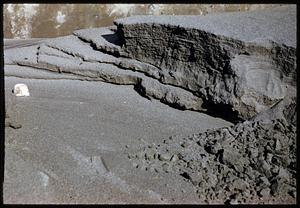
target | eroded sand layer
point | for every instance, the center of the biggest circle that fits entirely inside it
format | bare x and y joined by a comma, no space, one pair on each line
84,140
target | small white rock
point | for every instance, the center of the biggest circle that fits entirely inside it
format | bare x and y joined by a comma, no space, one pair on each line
21,90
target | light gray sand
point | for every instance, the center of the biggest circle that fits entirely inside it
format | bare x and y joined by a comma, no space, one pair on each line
13,43
67,124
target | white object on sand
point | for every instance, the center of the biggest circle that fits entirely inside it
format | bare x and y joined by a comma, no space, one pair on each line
21,90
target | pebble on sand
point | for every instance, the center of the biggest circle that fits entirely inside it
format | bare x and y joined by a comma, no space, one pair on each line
21,90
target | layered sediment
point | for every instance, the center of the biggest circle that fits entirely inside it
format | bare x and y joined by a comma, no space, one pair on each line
238,66
218,60
247,68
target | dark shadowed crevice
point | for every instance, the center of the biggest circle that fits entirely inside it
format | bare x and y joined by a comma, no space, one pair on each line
222,111
113,38
140,89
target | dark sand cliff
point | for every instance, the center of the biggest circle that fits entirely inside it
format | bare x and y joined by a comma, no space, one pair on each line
175,109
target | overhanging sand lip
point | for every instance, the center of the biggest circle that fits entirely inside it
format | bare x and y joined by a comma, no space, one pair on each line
199,53
245,26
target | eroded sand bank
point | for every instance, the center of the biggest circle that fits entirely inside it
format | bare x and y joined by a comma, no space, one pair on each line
226,134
